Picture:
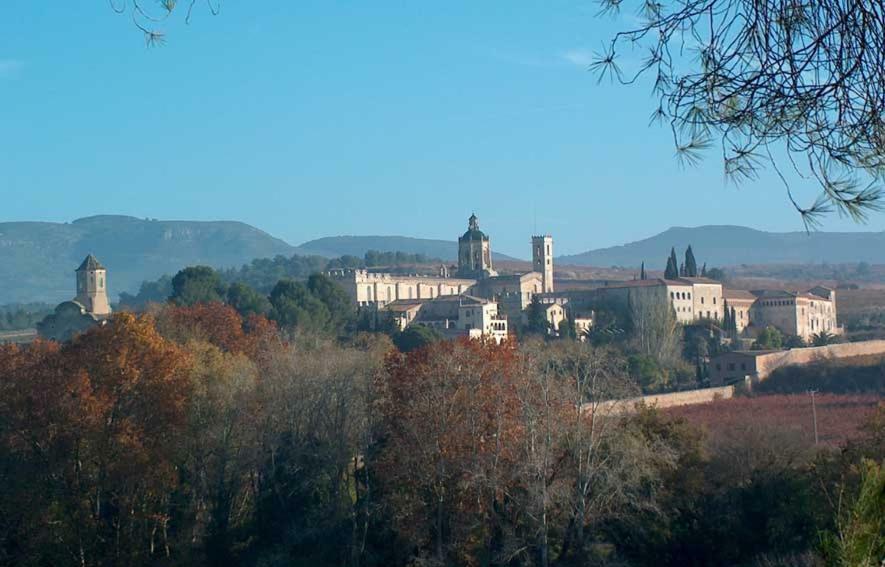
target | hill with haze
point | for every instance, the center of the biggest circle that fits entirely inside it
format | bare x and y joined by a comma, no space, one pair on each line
334,246
39,258
736,245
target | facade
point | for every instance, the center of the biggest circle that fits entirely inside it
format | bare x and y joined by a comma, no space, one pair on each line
802,314
680,294
542,260
453,316
555,315
378,289
474,252
740,301
92,289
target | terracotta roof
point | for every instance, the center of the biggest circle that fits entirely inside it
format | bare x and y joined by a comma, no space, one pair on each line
90,263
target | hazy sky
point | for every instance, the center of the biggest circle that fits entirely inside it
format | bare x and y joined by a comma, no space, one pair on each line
317,118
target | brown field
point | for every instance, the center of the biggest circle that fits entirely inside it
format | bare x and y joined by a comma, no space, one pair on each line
839,418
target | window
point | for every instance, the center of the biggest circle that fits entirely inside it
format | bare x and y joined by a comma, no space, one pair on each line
672,295
718,366
702,301
731,366
714,301
743,365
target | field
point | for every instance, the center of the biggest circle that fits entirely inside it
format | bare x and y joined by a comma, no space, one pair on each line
839,418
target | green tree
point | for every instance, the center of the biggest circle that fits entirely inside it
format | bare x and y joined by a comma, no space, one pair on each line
294,306
536,318
567,329
197,284
642,274
672,271
822,338
414,337
769,338
691,265
333,297
246,300
859,536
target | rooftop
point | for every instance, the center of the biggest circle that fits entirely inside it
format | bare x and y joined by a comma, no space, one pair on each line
90,263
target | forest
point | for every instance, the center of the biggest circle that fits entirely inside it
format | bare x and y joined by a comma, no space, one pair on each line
193,434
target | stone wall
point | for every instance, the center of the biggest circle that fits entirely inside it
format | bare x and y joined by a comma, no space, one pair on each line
661,401
768,363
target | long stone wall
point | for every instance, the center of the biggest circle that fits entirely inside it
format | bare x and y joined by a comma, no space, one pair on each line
768,363
661,401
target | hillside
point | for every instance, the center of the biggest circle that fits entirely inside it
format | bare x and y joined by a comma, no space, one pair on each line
333,246
736,245
39,258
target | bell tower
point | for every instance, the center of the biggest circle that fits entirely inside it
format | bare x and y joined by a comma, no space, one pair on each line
542,260
475,252
92,287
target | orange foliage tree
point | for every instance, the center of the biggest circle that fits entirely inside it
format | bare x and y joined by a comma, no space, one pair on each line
449,426
92,429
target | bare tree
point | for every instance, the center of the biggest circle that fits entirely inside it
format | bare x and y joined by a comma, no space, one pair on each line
655,330
149,20
794,81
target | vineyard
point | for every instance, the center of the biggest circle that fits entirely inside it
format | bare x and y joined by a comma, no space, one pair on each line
839,417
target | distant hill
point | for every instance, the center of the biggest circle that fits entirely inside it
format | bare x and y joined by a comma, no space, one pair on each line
39,258
334,246
735,245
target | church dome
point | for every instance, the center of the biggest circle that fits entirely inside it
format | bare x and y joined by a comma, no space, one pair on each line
473,232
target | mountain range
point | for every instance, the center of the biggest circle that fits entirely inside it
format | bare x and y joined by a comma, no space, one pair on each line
38,258
735,245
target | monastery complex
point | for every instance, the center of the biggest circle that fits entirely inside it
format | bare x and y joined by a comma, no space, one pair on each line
476,300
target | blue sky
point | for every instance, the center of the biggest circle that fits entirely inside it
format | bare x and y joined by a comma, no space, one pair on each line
317,118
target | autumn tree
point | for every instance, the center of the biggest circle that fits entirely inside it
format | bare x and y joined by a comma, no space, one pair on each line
97,426
448,427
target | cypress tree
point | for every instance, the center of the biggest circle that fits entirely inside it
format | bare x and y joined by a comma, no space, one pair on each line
691,265
672,266
704,271
672,271
642,274
682,269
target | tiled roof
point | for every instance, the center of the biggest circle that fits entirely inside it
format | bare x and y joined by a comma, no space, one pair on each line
90,263
738,294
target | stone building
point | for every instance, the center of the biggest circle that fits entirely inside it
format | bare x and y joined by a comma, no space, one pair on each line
542,260
740,301
476,277
378,289
452,316
92,290
752,366
803,314
475,252
90,307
